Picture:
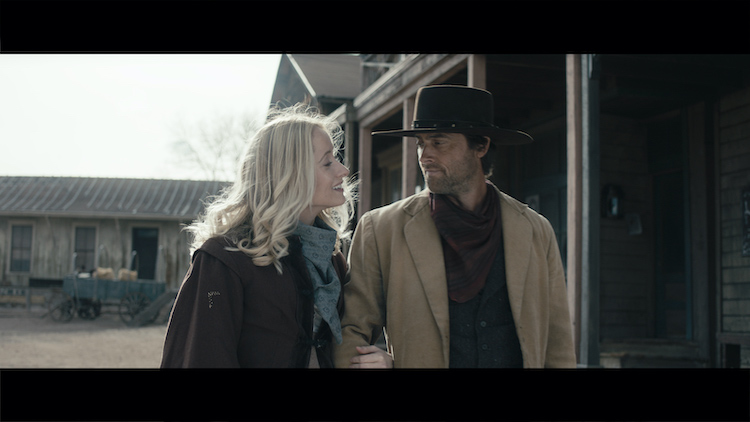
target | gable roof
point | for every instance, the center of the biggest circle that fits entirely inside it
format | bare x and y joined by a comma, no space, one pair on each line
331,75
105,197
322,76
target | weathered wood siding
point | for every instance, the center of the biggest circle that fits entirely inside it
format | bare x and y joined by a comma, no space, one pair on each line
627,262
734,164
53,247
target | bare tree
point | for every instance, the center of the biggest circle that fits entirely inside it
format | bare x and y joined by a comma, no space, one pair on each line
212,148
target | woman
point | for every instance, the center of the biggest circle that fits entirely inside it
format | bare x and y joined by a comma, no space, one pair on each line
264,285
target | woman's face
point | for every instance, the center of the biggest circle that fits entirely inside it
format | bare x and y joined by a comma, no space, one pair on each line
329,178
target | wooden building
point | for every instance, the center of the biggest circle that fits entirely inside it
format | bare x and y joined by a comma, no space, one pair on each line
53,226
640,162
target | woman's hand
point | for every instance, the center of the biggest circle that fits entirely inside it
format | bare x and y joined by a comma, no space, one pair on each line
371,357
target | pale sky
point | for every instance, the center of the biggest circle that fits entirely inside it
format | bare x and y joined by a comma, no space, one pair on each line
113,115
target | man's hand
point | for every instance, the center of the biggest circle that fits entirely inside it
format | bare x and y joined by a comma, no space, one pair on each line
371,357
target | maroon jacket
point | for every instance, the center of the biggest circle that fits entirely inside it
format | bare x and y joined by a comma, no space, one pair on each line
230,313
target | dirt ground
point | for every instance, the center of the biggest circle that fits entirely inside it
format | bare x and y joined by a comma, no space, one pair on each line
29,339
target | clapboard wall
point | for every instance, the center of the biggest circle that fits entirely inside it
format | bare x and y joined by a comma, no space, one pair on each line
734,178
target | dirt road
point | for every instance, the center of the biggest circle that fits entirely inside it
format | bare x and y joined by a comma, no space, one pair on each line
29,340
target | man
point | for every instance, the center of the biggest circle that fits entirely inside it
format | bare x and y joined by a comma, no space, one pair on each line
460,274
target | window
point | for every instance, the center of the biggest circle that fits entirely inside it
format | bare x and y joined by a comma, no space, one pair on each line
20,248
85,248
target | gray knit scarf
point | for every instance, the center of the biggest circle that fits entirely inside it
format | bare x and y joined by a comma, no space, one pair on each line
318,242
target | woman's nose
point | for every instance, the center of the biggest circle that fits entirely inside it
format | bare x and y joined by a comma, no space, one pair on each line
343,171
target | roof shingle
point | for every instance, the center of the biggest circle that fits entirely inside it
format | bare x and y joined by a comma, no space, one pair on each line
82,196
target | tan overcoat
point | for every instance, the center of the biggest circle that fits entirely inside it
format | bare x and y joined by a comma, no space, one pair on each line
398,282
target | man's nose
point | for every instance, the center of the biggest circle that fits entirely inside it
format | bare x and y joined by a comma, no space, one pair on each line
425,155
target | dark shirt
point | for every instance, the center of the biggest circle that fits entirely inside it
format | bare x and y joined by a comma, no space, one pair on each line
482,331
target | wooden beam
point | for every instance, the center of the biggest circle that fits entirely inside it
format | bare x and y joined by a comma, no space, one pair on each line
701,230
365,171
573,93
477,71
590,208
409,156
344,116
714,208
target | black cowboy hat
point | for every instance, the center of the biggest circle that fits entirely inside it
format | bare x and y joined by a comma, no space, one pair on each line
457,109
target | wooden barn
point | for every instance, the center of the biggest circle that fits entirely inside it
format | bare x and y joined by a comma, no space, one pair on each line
51,227
640,162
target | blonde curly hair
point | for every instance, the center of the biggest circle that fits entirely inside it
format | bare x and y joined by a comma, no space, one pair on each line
274,184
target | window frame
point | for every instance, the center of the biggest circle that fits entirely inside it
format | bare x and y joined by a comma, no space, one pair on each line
95,249
12,248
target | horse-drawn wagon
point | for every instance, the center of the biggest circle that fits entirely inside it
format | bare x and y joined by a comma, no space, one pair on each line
87,296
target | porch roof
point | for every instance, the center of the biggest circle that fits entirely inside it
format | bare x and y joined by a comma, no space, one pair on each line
330,75
321,76
105,197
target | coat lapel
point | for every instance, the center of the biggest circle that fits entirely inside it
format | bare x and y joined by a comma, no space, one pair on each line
517,233
424,245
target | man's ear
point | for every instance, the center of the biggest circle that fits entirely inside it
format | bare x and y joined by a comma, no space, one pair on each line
482,151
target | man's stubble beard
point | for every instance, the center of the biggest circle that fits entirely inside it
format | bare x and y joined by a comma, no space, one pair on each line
455,184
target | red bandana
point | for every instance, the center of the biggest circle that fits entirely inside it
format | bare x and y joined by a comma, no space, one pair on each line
470,242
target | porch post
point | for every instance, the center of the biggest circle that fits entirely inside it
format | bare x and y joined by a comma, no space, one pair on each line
409,153
351,149
476,69
590,209
573,116
365,171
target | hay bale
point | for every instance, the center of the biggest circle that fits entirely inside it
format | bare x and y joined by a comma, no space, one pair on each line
104,273
127,275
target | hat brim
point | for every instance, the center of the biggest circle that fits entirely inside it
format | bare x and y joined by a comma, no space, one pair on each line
498,136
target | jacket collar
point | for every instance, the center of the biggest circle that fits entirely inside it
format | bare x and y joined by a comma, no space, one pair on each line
414,204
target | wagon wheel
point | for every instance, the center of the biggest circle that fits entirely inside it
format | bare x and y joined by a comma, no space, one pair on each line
131,304
89,309
60,307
